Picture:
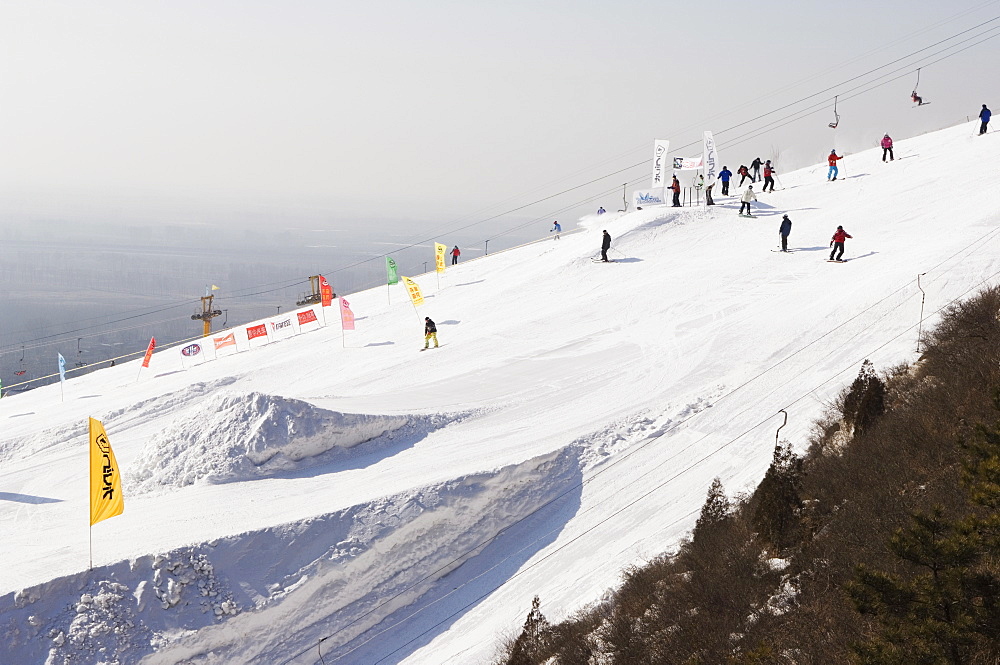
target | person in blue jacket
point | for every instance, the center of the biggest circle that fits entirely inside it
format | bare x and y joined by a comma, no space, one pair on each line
984,115
724,175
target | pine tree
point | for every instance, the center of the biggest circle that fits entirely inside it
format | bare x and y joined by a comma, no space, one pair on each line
532,644
865,401
716,507
776,502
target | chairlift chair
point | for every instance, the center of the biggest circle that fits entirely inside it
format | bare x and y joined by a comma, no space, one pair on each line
917,99
833,125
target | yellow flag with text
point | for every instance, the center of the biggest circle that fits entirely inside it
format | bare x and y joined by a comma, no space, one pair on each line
413,290
439,251
106,498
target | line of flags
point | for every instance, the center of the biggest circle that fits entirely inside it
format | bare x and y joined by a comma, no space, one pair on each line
326,299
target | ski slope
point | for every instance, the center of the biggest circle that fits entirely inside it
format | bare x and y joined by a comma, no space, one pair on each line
345,494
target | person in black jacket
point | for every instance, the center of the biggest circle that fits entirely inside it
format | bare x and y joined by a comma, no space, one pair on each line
755,165
784,231
605,246
430,332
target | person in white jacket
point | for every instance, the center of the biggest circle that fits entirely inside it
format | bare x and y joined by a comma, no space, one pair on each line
747,197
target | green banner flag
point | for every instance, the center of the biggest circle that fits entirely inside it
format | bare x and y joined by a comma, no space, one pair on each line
390,271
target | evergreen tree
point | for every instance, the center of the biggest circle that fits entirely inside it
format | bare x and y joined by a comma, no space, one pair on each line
716,507
776,502
532,644
865,401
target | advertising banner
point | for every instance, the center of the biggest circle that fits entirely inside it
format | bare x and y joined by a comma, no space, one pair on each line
660,147
346,315
106,498
642,198
710,159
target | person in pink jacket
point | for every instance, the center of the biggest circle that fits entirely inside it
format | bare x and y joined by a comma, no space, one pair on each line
887,148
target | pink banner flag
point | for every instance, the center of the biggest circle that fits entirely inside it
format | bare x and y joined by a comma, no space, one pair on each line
346,315
228,340
149,351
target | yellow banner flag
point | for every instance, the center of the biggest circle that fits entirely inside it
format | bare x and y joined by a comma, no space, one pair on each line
413,290
439,251
106,498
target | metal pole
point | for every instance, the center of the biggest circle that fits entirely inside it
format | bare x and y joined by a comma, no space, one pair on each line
624,200
487,253
779,429
920,324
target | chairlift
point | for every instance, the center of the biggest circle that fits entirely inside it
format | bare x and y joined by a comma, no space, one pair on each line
833,125
21,371
917,99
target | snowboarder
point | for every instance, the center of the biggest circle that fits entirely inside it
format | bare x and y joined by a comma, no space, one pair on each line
755,165
747,197
606,245
784,231
768,175
724,175
744,173
832,161
676,186
708,194
454,255
430,332
984,115
887,148
601,210
837,243
557,229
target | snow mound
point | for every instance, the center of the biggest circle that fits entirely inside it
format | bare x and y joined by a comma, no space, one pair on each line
237,437
371,563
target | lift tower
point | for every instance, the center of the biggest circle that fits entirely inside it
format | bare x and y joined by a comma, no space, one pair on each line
207,313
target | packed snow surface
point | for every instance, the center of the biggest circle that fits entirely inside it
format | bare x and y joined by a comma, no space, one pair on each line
345,497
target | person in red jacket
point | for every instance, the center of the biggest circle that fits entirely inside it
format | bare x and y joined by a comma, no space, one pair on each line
676,186
837,242
887,148
832,161
744,173
455,253
768,175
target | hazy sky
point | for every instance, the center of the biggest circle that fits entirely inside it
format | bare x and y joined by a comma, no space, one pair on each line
435,110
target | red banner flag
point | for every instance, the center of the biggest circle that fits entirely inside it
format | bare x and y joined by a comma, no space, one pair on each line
228,340
346,315
149,351
325,292
307,316
257,331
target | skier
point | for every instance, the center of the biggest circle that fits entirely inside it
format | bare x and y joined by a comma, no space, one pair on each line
430,332
984,115
557,229
917,99
676,186
454,255
832,161
605,246
708,194
755,165
744,173
601,210
887,148
768,173
724,175
784,231
837,243
747,197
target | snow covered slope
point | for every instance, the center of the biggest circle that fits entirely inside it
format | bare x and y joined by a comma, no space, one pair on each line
404,507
